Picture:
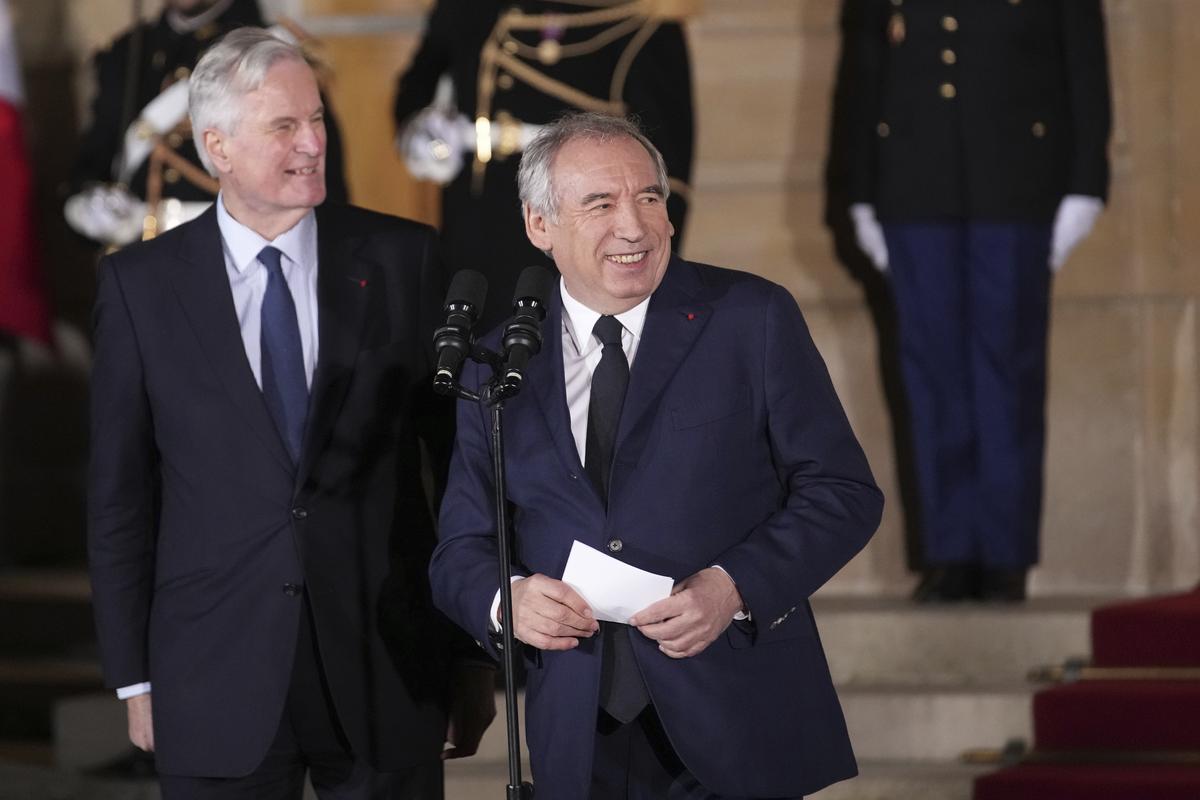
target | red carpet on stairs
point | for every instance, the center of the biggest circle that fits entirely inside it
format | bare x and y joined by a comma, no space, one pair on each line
1158,632
1095,782
1118,716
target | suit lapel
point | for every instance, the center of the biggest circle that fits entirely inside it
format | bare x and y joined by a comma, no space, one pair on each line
546,378
343,287
202,286
674,321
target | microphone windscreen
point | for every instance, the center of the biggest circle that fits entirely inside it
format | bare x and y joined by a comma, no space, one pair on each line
467,287
534,283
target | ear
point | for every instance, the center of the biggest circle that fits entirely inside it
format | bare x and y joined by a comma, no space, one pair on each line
215,145
536,228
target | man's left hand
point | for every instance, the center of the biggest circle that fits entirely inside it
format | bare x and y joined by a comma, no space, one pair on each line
472,708
699,610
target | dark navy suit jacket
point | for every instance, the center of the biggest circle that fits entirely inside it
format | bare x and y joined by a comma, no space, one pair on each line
201,532
734,450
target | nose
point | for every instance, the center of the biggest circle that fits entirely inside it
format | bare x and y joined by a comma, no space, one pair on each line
310,139
628,224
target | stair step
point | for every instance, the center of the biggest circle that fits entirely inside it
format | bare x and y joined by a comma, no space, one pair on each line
1090,782
907,723
1118,715
1156,632
896,641
46,613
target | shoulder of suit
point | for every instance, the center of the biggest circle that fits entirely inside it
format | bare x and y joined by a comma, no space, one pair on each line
354,221
720,281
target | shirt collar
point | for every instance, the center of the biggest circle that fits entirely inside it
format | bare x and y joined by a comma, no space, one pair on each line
578,317
242,245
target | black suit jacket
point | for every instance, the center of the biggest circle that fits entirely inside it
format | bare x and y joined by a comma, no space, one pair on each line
1028,120
201,532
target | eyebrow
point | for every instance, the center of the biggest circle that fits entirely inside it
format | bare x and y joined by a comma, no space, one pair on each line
594,196
286,119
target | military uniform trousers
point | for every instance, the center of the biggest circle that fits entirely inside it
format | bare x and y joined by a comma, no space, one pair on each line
972,303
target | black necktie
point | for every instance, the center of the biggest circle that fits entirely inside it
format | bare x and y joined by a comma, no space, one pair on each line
622,693
284,383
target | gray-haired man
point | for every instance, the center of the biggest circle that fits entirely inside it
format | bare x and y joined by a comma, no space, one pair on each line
258,530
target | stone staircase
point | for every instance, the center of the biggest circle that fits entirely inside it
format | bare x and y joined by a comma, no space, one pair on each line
920,687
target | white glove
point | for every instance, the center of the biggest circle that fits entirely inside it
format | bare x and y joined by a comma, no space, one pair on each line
1074,220
869,234
432,144
106,213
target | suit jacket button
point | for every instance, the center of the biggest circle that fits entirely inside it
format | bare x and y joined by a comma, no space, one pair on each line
291,589
615,546
299,513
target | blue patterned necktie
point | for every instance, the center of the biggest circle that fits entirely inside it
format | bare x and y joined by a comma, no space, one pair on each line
284,383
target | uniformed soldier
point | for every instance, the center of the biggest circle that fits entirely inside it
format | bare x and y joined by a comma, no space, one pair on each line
978,160
515,66
164,53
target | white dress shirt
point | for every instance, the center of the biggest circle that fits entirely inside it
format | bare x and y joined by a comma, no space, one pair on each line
248,281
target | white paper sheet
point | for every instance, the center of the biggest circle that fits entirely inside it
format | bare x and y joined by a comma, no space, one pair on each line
614,590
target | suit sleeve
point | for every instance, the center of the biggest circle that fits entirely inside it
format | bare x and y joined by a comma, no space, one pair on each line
416,87
1085,57
859,98
831,505
103,138
122,489
464,570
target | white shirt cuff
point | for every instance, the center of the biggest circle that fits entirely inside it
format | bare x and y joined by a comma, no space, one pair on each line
495,615
126,692
738,615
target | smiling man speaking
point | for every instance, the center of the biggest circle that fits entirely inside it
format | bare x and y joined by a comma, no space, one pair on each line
679,419
258,528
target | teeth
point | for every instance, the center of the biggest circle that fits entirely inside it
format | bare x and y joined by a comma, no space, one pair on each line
632,258
305,171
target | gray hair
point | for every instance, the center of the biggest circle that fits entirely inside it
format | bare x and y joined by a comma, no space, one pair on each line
535,176
229,70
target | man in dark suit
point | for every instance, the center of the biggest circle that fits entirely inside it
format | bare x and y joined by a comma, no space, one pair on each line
679,419
522,63
258,528
977,160
136,69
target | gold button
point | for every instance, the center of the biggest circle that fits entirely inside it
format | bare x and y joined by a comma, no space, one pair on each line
505,81
171,175
1039,129
949,56
509,46
883,129
174,140
948,91
950,23
181,73
158,60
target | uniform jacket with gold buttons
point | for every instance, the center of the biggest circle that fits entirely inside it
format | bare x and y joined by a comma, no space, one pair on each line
980,109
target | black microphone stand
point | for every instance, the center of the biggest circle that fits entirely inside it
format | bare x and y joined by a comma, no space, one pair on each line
493,394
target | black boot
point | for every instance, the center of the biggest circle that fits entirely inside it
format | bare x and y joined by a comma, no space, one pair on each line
1003,585
948,583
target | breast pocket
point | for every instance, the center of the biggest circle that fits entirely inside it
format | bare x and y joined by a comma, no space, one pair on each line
711,408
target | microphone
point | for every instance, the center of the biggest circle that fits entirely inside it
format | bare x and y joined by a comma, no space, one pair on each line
523,334
453,341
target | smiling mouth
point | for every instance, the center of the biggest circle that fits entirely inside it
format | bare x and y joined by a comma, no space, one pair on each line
627,258
302,171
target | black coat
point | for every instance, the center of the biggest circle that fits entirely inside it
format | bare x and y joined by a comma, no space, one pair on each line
201,533
481,224
165,57
979,109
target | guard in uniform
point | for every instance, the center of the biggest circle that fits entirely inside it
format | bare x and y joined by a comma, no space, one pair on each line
978,161
515,66
165,52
